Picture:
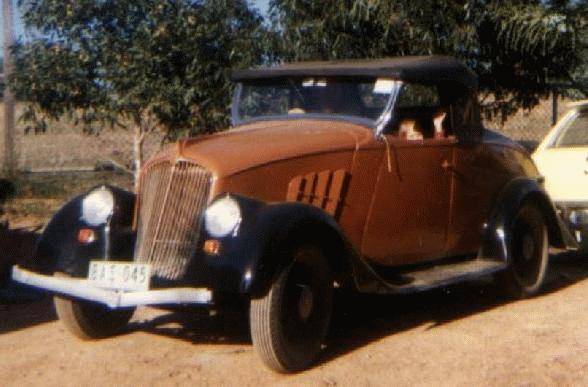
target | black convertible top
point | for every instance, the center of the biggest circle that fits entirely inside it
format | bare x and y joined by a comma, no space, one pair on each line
410,68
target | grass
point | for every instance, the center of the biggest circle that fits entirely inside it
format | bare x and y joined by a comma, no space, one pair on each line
64,146
67,151
37,196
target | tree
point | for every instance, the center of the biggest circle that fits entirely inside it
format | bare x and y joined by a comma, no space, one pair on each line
136,64
516,47
578,11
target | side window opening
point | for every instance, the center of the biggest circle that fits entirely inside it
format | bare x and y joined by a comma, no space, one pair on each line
419,113
463,111
576,133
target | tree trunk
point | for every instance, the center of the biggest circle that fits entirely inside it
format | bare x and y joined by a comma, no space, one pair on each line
8,135
137,154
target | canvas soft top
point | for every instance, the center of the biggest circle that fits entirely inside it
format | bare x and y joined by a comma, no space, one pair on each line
408,68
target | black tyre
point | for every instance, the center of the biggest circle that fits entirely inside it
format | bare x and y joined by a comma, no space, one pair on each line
90,320
529,248
289,324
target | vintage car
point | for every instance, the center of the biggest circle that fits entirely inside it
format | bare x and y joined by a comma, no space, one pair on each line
562,158
373,176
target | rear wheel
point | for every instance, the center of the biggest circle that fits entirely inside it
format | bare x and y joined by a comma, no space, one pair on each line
289,324
90,320
529,254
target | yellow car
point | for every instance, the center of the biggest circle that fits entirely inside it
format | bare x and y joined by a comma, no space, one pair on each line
562,158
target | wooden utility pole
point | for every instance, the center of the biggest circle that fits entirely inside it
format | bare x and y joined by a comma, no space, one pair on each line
554,96
8,130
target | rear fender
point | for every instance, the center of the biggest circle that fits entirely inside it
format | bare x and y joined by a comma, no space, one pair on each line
497,232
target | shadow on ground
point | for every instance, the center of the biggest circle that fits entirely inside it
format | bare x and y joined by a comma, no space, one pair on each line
20,307
361,319
18,316
198,327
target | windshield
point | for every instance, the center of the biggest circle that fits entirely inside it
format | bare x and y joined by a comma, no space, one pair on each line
364,98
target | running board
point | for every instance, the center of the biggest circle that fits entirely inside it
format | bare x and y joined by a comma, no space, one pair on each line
441,275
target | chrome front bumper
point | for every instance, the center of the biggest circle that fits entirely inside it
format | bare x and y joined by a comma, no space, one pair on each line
79,288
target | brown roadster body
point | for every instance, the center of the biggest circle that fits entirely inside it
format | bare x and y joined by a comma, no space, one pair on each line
374,176
430,204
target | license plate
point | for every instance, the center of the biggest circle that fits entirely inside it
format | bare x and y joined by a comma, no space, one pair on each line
119,275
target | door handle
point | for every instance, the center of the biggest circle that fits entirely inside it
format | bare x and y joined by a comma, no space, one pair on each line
447,165
450,167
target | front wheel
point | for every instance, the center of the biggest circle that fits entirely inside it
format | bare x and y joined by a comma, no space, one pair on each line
90,320
289,324
529,254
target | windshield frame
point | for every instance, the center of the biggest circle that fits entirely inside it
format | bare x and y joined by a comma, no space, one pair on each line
377,125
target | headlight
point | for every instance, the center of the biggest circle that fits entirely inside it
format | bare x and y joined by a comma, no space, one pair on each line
97,207
222,217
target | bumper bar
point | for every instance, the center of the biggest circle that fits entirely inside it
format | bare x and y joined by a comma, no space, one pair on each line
79,288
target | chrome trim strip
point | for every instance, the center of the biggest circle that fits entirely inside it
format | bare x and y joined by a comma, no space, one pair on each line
79,288
388,112
575,204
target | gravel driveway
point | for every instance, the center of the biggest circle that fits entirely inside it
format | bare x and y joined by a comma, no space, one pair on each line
464,335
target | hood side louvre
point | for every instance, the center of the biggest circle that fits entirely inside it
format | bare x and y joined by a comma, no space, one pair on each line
325,190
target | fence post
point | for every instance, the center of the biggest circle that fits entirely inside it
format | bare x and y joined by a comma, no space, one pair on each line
554,95
8,135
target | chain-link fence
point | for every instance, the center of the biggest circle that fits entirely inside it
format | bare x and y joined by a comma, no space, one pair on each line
530,126
64,147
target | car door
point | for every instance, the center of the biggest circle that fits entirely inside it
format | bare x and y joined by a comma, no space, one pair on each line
408,219
563,159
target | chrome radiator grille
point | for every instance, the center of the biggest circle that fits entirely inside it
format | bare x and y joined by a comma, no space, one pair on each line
172,199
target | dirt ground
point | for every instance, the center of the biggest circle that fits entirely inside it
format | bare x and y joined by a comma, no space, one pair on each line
463,335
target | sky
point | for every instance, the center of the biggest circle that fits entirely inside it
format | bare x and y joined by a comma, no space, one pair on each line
261,5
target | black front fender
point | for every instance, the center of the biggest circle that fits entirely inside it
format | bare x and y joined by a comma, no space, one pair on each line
58,248
282,227
251,259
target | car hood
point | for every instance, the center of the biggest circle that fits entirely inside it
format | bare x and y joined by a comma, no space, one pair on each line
261,143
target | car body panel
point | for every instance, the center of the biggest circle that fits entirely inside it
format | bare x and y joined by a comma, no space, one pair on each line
260,143
566,173
453,202
409,214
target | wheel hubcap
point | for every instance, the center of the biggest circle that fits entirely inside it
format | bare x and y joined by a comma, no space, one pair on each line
305,302
528,247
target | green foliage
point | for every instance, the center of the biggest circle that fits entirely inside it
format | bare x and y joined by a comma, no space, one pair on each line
145,62
516,47
167,63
